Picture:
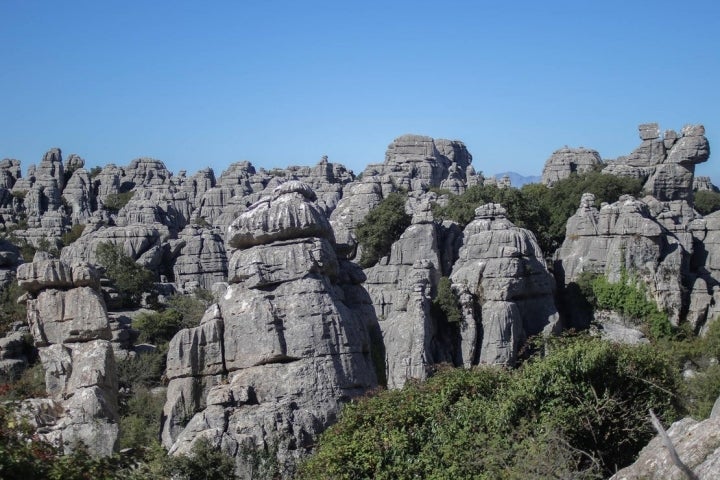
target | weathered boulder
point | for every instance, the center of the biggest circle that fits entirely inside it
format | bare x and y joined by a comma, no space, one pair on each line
697,444
284,216
566,160
202,259
624,238
280,332
506,291
71,329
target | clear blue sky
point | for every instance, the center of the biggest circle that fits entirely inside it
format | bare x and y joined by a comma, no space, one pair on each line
281,83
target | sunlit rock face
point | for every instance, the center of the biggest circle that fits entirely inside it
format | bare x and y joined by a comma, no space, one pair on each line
70,327
272,362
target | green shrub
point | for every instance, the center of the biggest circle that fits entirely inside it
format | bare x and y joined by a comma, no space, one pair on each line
707,202
542,210
205,462
183,311
131,279
142,371
115,201
140,419
447,302
94,171
381,227
580,412
73,234
629,299
10,310
31,384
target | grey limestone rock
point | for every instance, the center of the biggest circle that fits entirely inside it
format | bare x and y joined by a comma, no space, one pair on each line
280,332
566,160
75,315
501,277
71,329
624,237
288,214
43,274
202,258
697,444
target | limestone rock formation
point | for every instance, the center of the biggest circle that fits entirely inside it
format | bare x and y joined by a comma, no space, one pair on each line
624,237
202,260
69,324
697,444
272,362
566,160
505,289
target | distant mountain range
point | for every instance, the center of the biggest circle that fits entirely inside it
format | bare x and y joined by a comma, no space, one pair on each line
517,180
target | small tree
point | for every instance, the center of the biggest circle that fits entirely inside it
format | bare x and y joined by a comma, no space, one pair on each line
381,227
131,279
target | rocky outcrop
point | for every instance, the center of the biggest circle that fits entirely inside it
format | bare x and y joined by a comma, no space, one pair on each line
416,162
271,363
69,324
625,238
697,444
202,260
505,290
566,161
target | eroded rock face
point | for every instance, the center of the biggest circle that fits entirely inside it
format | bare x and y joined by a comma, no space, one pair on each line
624,238
566,160
202,260
505,289
697,444
69,324
289,348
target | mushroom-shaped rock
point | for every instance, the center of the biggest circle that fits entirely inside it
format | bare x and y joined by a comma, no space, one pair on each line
288,214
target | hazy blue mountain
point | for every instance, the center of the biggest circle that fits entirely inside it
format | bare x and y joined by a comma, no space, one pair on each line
518,180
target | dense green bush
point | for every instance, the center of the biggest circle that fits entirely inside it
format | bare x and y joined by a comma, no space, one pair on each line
540,209
580,412
382,226
707,202
447,302
73,234
630,298
115,201
130,278
10,310
183,311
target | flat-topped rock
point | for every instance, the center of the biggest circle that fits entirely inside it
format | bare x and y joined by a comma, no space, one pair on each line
288,214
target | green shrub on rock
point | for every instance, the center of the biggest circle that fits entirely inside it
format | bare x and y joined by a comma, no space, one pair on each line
579,412
130,278
381,227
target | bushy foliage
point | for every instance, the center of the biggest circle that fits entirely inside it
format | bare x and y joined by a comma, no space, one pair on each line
630,298
31,384
10,310
73,234
115,201
140,419
580,412
183,311
447,302
130,278
382,226
540,209
707,202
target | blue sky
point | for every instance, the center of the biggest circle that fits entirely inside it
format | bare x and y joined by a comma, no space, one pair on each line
282,83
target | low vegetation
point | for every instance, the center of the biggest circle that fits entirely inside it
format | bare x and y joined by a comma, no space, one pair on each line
130,278
382,227
542,210
116,201
578,412
629,298
707,202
